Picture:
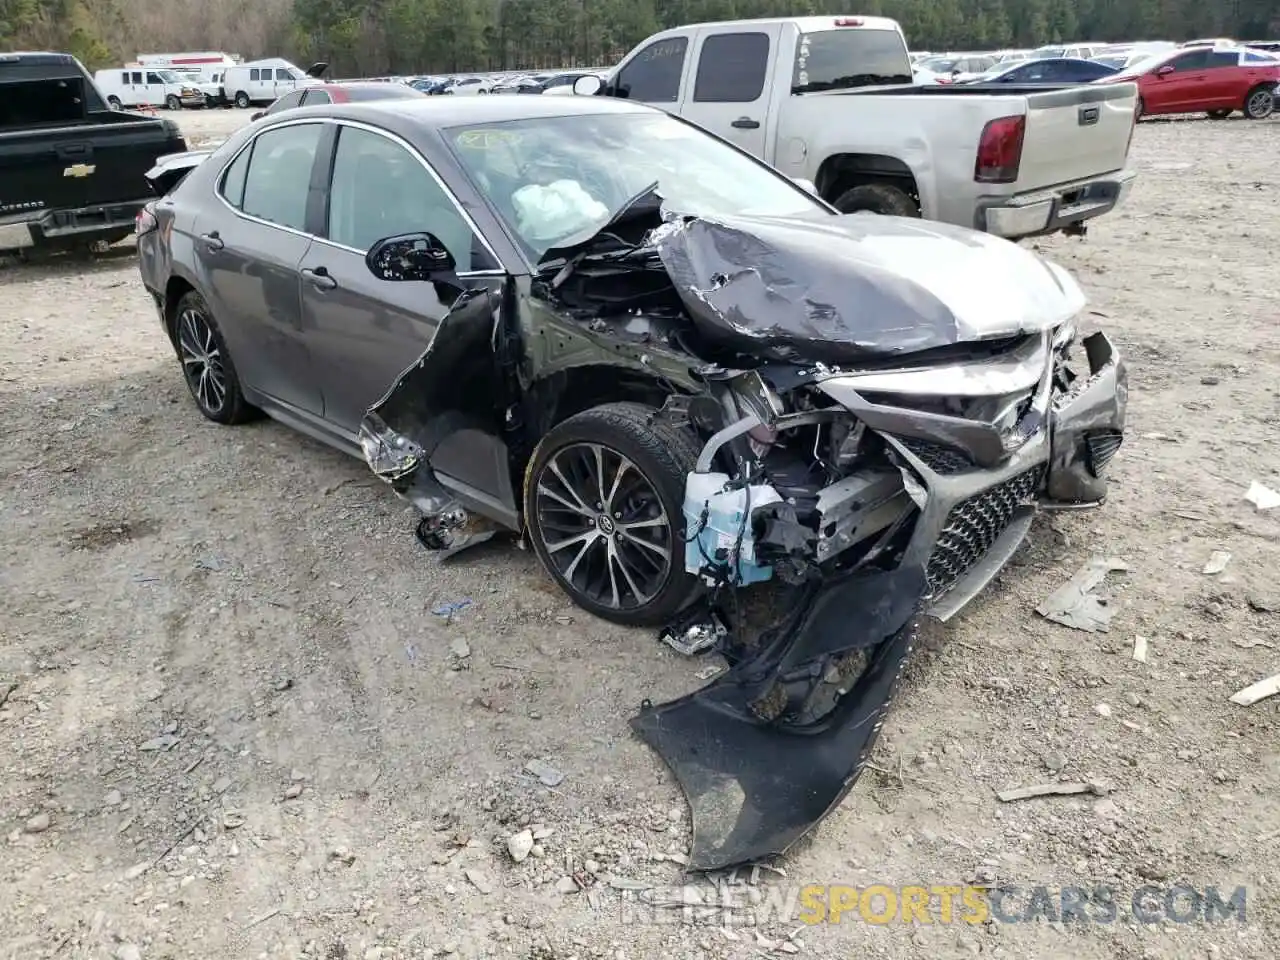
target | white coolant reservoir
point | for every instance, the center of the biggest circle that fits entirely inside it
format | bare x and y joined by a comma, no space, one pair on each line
715,529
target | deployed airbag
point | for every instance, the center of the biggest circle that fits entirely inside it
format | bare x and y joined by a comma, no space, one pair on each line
757,785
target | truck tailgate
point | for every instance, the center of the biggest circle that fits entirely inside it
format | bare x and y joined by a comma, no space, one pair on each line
1076,133
80,165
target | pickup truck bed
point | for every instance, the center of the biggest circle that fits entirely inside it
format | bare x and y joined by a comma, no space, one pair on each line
71,170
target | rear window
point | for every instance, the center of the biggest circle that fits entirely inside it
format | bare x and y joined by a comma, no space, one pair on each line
29,103
848,57
389,91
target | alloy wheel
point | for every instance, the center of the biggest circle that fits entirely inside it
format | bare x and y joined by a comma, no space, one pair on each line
1261,104
603,526
202,361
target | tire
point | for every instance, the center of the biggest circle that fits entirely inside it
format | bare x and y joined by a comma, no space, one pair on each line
242,100
171,102
196,334
651,589
114,103
1259,103
1140,111
1219,114
880,198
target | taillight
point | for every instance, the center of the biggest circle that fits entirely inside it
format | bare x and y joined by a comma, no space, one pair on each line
145,221
1000,150
849,21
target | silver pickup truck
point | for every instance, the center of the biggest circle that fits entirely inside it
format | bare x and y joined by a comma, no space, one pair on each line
830,100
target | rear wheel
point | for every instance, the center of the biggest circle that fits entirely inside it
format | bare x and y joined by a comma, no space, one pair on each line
206,365
879,198
1219,114
242,100
1260,103
171,102
603,500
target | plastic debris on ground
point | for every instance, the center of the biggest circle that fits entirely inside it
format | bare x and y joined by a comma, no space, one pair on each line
1074,604
1262,497
451,608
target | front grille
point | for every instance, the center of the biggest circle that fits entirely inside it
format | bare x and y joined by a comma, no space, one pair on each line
1102,446
939,459
974,525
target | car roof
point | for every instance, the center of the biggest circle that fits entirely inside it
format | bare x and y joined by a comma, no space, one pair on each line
436,112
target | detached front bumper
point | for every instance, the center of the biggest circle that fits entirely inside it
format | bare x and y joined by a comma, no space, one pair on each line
1049,211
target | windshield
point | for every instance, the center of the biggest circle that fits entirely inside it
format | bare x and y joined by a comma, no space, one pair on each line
556,180
1143,64
850,57
1047,53
938,64
168,76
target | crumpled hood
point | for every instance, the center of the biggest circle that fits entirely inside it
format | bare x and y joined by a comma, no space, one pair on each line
840,288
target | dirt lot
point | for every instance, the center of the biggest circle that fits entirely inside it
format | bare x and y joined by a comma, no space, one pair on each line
234,727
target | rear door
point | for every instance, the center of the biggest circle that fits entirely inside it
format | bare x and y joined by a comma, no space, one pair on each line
250,247
362,331
729,95
1225,79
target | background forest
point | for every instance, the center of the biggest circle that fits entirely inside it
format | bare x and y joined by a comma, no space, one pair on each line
375,37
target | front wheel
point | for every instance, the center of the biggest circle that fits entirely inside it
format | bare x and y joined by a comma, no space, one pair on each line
603,501
1140,110
1260,103
114,103
881,198
206,365
242,100
171,102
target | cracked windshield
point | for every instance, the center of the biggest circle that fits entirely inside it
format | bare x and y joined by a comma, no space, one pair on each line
560,179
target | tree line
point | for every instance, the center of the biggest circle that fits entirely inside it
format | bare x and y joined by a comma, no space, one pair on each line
378,37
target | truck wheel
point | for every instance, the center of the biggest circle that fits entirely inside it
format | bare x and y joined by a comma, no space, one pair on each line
171,102
114,103
878,198
242,100
603,501
1219,114
1259,103
206,365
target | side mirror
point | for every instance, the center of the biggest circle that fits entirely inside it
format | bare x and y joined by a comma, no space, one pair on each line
588,86
1165,70
411,256
808,186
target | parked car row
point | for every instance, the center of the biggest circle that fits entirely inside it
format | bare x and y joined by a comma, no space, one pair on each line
208,83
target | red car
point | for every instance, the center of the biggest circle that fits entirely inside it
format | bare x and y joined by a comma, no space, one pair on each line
1216,80
318,93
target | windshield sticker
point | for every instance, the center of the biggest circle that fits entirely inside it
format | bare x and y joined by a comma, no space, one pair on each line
487,139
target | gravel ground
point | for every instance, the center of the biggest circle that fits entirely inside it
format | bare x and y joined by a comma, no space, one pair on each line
234,728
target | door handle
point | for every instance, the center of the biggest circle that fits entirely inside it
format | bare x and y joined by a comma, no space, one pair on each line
746,123
319,278
213,241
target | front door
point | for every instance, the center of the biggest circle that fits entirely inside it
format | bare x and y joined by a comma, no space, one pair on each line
285,82
729,95
251,256
362,331
155,89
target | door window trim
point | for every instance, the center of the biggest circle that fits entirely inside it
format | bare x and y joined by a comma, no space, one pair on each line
404,144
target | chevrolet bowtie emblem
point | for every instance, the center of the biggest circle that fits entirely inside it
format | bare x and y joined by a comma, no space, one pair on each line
79,170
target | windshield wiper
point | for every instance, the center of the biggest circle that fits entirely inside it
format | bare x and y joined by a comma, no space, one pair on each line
855,80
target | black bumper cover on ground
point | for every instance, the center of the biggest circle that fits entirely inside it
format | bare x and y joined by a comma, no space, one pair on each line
755,787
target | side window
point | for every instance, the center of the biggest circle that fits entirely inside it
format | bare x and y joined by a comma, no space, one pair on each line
1196,60
380,189
654,75
279,176
283,75
232,185
254,75
154,78
731,68
135,77
1223,58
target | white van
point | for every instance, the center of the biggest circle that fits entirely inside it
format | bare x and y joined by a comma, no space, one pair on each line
210,65
139,86
265,81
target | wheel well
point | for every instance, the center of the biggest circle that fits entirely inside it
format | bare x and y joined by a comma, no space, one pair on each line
174,290
1266,85
571,391
844,171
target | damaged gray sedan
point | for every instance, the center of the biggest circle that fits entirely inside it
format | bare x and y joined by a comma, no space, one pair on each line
676,370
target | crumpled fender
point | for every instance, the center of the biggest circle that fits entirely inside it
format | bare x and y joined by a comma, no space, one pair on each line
755,785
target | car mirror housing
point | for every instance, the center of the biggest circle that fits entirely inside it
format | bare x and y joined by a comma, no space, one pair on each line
410,256
1165,70
587,86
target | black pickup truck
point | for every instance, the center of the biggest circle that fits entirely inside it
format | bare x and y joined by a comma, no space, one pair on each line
71,169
